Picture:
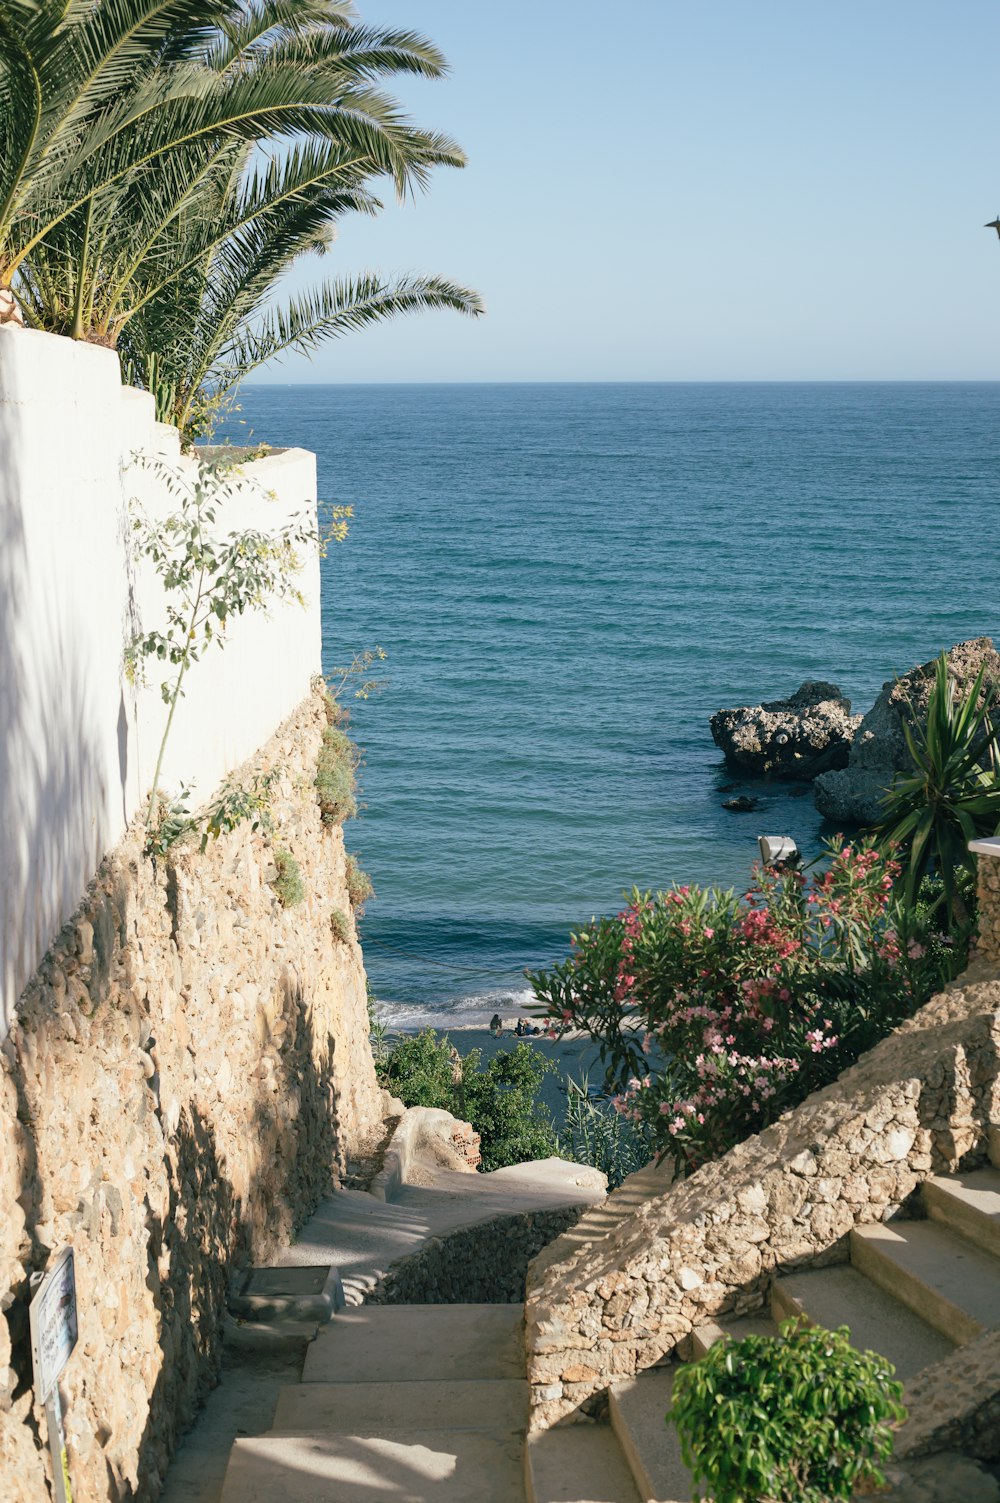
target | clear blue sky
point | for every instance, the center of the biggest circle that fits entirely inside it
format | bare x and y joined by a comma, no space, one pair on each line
696,190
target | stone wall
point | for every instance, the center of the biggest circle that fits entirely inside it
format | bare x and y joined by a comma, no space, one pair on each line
486,1263
923,1101
185,1076
988,892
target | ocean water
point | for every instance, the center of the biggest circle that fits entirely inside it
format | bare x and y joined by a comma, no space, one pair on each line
568,580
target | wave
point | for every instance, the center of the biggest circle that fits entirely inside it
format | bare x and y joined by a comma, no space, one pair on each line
458,1013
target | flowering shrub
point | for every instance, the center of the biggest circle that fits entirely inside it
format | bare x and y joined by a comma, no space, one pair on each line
716,1013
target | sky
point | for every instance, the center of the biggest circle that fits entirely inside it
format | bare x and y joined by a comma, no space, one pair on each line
694,190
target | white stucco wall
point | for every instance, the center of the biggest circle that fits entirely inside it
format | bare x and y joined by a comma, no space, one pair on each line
77,744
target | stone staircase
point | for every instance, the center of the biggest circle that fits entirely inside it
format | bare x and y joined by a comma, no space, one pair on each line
411,1403
913,1291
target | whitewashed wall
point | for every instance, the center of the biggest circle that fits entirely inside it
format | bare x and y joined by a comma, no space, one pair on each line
77,744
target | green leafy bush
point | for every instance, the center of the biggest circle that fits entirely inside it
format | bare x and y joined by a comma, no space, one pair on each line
359,885
287,881
340,926
237,804
796,1418
336,776
499,1099
951,797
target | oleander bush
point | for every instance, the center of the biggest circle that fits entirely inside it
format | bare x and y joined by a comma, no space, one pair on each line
796,1418
716,1012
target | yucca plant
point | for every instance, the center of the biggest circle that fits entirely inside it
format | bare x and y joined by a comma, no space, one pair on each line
953,794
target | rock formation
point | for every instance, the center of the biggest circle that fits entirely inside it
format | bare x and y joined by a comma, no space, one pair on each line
809,733
853,794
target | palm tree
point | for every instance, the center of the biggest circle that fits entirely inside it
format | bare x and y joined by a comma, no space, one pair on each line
194,338
98,102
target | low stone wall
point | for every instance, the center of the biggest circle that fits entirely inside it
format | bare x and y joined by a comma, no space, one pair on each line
988,892
186,1075
954,1405
482,1264
425,1134
921,1102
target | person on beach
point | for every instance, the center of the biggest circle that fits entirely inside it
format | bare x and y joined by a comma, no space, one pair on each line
496,1026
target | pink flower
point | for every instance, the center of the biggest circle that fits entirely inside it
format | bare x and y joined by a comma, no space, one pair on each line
709,933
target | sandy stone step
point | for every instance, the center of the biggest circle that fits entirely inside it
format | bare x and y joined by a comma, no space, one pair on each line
843,1296
358,1408
651,1447
968,1204
949,1283
705,1336
577,1464
419,1466
418,1343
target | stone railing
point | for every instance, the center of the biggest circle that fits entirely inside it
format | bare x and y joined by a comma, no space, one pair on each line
921,1102
988,894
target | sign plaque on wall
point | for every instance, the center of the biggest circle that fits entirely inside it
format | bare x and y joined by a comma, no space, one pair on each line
53,1336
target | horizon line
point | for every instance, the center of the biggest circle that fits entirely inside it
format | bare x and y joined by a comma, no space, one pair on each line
673,381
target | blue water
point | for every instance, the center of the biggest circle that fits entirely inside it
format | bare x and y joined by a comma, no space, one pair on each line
568,581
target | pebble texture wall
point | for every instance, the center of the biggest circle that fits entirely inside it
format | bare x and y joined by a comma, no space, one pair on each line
988,887
921,1102
186,1075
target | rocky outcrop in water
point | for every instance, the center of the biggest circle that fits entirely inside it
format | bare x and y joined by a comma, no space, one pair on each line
854,794
808,733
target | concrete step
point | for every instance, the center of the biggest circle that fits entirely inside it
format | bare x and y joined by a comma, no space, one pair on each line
968,1204
419,1343
576,1464
418,1466
732,1328
651,1447
843,1296
356,1408
949,1283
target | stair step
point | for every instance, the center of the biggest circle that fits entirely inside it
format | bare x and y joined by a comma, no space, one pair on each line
358,1408
969,1204
705,1336
576,1464
418,1343
414,1466
945,1280
843,1296
652,1447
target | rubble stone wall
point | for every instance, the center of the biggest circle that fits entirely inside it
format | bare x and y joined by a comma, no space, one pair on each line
923,1101
988,889
185,1077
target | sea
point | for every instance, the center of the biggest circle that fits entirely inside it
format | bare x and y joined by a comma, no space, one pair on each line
567,580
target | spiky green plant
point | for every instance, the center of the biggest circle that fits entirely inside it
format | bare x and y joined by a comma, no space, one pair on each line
953,794
125,184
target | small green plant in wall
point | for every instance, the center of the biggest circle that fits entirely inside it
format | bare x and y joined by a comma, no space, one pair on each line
359,885
238,804
801,1417
208,577
287,880
340,926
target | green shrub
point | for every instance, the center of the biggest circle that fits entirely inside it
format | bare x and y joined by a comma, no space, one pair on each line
359,885
340,926
237,804
499,1100
287,881
594,1133
796,1418
336,776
